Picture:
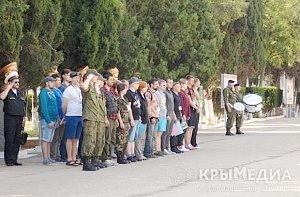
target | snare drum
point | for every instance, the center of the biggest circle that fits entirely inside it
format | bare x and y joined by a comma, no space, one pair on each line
239,107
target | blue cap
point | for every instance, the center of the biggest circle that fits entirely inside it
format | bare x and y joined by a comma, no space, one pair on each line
47,79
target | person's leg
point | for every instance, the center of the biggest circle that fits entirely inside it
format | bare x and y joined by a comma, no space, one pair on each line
17,138
113,124
62,146
78,133
106,149
158,141
44,151
69,146
9,135
195,130
148,150
54,144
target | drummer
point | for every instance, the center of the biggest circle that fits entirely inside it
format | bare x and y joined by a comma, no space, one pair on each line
239,117
229,100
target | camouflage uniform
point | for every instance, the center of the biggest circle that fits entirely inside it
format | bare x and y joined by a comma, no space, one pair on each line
122,134
239,117
94,113
229,98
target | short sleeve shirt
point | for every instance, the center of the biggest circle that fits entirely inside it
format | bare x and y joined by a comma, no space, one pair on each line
74,96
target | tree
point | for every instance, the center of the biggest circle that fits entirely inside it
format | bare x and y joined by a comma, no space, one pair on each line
11,25
42,36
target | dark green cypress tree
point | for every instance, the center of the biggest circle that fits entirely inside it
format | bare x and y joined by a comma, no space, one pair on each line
11,25
42,36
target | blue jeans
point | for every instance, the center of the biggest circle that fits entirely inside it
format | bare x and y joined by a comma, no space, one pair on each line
150,131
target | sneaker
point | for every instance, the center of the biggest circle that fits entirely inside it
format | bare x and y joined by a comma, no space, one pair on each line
171,152
197,147
46,162
51,160
151,156
166,152
159,153
183,149
190,147
111,163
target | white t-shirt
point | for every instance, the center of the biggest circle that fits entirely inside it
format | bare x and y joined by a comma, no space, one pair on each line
74,96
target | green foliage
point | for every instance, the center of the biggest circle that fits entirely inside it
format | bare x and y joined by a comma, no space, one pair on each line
11,25
42,36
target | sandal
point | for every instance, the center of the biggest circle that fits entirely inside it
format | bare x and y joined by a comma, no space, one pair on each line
71,163
78,162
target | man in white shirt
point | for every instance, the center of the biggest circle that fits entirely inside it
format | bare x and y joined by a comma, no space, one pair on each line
72,108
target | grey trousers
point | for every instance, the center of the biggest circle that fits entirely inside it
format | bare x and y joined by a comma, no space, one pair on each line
139,144
55,144
165,138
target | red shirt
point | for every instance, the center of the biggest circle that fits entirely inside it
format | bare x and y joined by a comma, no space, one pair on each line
185,104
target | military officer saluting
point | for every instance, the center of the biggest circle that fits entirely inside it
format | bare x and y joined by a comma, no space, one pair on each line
239,117
229,100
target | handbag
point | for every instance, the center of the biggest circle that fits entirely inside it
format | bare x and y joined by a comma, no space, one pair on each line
176,129
184,125
23,137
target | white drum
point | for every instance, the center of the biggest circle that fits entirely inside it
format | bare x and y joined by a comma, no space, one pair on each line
254,109
252,99
253,103
239,107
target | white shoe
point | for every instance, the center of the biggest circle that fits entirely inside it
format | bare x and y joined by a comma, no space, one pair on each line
166,152
170,152
111,163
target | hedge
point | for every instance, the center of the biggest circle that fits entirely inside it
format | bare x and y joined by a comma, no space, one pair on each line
272,97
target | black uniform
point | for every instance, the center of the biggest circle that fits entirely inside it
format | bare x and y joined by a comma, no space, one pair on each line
14,111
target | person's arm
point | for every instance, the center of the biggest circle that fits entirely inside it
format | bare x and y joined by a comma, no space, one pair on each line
64,105
86,84
4,94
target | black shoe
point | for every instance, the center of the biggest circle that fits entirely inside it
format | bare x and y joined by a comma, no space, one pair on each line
131,159
176,150
9,164
17,164
239,132
151,156
122,161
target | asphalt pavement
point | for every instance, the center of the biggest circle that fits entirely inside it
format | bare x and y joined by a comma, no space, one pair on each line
265,161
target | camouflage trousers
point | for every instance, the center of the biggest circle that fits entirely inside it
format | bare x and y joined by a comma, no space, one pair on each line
121,141
93,138
239,120
231,116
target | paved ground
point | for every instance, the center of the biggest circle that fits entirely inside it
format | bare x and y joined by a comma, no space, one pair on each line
270,144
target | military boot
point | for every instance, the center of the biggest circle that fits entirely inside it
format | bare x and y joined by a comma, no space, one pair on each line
228,132
121,159
238,131
87,164
100,163
95,163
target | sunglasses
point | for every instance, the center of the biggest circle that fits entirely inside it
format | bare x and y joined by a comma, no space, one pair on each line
16,82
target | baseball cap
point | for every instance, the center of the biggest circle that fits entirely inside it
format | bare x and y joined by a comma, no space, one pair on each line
47,79
133,80
230,81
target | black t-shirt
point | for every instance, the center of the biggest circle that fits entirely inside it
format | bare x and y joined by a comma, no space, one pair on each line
177,106
144,109
134,99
